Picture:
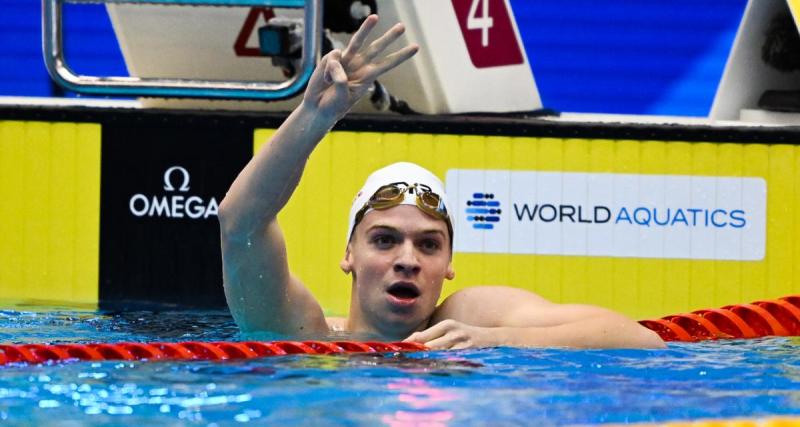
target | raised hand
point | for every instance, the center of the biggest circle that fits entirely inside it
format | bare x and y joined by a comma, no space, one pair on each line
343,77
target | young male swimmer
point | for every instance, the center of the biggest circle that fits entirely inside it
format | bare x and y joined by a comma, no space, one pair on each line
399,248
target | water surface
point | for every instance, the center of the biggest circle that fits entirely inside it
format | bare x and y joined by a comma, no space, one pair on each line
500,386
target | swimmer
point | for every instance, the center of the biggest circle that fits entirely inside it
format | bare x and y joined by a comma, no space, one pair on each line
399,244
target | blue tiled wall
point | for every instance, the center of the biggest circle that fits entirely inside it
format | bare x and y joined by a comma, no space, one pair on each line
612,56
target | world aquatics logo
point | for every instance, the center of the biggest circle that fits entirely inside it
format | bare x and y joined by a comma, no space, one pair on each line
608,214
483,211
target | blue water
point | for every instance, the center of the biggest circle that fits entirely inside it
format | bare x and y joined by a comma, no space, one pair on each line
501,386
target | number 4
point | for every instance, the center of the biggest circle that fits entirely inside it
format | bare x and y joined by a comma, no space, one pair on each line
483,23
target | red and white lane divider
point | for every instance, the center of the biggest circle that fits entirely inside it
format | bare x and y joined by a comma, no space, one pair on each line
194,350
778,317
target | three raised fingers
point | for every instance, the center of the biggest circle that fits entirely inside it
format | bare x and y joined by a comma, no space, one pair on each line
394,60
376,48
360,37
381,43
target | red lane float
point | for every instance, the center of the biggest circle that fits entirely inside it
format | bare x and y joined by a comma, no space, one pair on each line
780,317
193,350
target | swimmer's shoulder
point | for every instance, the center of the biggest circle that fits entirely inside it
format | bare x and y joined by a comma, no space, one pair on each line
483,305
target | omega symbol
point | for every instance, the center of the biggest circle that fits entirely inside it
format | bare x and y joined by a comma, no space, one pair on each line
168,179
173,205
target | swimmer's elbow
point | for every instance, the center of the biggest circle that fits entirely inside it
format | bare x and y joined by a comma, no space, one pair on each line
225,212
239,222
646,338
227,219
635,335
233,225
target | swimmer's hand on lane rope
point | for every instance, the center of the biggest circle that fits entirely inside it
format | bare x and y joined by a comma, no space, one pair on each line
452,334
343,77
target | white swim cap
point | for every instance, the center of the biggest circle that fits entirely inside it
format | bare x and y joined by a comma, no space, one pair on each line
402,172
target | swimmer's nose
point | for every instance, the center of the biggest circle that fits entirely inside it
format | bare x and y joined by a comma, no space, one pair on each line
407,262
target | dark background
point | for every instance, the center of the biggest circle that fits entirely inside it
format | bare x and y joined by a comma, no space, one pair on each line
170,260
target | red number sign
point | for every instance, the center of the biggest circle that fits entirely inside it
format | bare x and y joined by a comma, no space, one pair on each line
488,33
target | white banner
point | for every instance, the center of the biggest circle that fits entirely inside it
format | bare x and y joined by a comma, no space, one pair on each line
604,214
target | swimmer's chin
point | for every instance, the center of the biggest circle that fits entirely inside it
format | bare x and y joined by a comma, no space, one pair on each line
263,336
330,336
351,336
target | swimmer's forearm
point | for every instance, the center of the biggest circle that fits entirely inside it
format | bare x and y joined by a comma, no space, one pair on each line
600,332
265,185
609,330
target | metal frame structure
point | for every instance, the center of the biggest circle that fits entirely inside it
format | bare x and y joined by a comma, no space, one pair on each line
63,75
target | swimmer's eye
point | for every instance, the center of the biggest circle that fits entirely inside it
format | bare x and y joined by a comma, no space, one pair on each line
430,245
384,240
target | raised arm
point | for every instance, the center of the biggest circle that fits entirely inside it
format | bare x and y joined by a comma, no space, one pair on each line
261,292
491,316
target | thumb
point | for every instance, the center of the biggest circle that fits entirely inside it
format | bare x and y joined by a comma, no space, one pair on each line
334,72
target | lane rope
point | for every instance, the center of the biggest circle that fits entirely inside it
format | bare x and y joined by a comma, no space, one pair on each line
191,350
778,317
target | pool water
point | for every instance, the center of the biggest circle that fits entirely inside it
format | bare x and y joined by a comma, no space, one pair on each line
499,386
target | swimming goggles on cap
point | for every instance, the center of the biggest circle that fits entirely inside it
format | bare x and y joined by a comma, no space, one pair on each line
395,193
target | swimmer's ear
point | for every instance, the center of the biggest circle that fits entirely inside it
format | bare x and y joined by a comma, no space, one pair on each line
346,264
451,273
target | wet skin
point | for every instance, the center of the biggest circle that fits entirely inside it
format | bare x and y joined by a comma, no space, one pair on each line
399,258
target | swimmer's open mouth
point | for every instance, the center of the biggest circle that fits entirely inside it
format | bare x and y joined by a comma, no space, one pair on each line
403,290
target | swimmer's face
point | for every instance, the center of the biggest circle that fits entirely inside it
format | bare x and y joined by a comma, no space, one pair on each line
399,258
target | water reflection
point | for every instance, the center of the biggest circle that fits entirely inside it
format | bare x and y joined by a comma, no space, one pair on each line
57,325
425,404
